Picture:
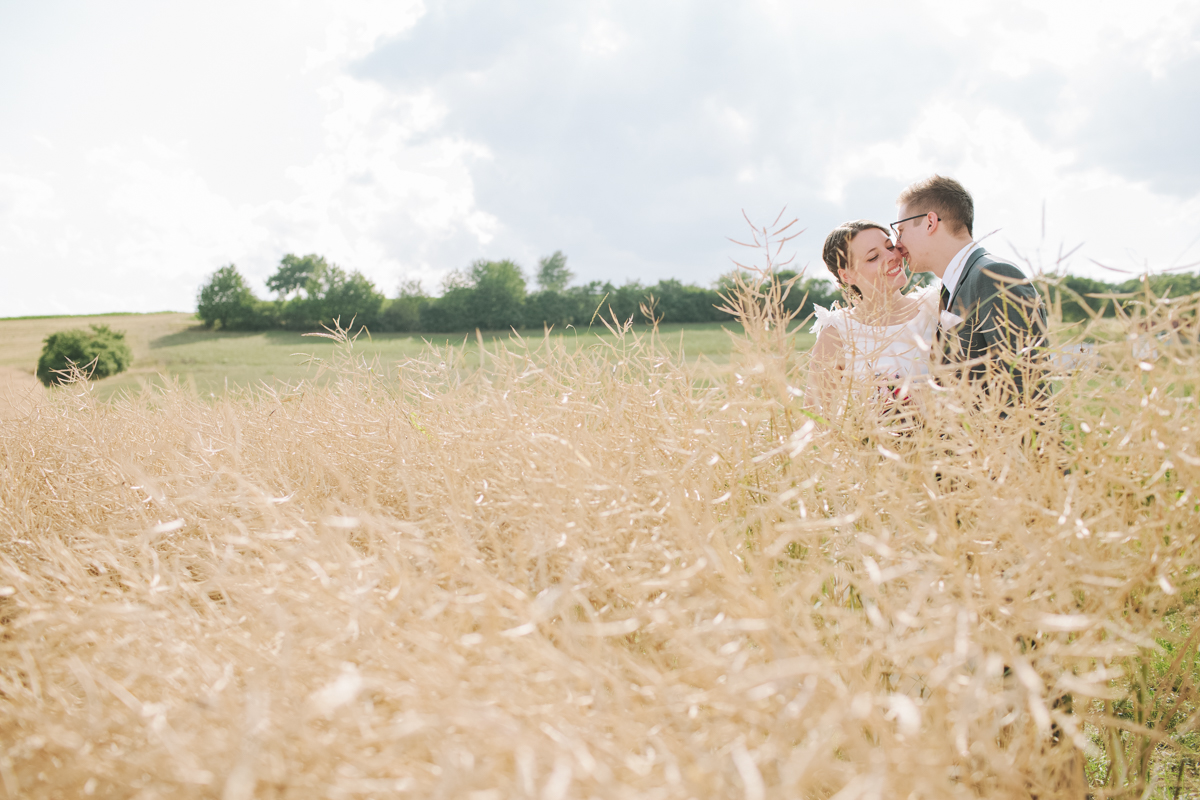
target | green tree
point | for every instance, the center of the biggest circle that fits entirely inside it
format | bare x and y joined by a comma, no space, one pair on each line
800,298
411,288
455,279
675,301
553,274
296,273
497,295
101,352
227,300
808,292
727,283
330,293
352,297
1077,300
625,302
406,311
556,308
1173,284
404,314
450,312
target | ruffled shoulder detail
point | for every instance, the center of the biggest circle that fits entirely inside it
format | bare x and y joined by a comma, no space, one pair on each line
826,317
928,295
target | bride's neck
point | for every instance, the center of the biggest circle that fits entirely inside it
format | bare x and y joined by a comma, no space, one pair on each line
879,306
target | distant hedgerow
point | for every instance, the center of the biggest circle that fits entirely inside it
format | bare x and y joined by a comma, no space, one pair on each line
100,352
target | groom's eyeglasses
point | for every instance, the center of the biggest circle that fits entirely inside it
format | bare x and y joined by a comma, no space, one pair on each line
894,225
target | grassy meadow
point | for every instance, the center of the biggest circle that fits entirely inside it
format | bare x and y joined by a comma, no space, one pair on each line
615,570
173,346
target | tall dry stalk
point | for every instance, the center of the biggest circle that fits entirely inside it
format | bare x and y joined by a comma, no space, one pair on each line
596,573
756,297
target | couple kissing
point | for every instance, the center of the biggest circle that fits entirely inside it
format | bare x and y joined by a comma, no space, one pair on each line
981,322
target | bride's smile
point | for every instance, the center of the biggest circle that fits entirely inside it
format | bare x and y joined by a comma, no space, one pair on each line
876,268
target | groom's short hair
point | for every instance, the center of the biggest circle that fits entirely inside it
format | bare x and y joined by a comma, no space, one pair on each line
946,196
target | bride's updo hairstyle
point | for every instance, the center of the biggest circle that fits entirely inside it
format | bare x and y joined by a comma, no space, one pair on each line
837,248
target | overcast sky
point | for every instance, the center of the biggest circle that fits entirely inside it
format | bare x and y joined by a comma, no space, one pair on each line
146,143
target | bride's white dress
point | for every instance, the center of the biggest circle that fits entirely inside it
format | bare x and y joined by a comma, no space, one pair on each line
888,358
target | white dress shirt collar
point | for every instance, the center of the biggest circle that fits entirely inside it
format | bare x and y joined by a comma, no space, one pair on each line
955,268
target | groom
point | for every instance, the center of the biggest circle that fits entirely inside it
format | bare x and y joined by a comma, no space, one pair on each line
1003,318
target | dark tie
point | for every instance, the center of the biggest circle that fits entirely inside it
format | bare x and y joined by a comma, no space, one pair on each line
940,332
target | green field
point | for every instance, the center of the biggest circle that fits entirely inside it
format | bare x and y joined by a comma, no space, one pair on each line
174,345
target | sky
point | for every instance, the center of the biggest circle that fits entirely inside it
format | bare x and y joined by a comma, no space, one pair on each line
146,144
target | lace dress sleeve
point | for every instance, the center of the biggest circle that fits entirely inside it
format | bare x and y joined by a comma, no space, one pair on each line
824,317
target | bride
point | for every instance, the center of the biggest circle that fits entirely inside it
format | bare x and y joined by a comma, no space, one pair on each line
877,349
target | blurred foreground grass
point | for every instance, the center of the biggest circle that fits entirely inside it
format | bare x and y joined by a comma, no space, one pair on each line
606,571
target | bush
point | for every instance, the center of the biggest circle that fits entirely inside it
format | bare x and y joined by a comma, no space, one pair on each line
100,352
557,309
677,302
623,302
448,313
403,315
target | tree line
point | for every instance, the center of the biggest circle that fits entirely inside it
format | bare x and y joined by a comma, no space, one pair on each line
489,295
494,295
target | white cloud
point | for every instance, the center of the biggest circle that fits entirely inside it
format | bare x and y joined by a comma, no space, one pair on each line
603,38
384,191
1118,222
354,27
137,222
153,143
129,227
653,153
24,202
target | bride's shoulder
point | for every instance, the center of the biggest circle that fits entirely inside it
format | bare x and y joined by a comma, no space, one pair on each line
832,317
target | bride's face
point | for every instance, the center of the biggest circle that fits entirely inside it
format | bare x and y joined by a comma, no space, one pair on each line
875,263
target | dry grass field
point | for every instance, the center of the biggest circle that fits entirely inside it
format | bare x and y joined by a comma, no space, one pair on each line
20,393
570,572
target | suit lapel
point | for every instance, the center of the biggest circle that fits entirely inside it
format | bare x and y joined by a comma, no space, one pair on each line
955,343
974,258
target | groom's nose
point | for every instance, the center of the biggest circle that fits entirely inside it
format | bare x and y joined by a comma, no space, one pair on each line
901,249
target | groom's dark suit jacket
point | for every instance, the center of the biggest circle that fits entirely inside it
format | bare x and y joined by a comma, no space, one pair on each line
1002,316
